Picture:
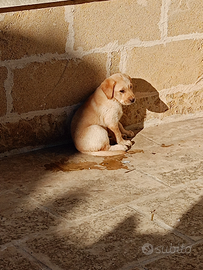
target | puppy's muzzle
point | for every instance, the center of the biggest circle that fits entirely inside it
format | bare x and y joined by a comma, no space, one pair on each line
132,100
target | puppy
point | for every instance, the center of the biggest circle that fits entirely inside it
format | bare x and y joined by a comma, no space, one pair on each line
100,113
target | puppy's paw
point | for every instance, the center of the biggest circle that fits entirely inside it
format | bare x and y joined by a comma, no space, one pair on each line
128,143
119,147
130,134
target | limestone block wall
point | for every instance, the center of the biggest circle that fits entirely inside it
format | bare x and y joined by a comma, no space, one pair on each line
51,59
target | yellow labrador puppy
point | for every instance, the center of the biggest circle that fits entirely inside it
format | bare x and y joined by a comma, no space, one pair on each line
100,113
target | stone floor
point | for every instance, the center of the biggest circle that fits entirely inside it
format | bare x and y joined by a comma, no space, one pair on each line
62,210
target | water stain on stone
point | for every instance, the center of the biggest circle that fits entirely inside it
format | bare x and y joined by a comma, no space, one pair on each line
67,166
164,145
108,163
113,163
135,151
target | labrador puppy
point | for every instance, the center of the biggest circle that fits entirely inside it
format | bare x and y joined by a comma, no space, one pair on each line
100,113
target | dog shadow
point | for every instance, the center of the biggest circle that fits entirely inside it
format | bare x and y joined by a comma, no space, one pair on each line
147,98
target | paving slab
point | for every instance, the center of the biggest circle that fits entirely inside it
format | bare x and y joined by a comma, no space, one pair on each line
87,196
107,241
180,208
175,155
19,217
11,258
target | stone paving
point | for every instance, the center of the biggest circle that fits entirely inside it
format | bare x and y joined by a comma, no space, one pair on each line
62,210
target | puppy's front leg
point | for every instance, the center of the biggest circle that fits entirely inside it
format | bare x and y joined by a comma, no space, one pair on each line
129,133
118,135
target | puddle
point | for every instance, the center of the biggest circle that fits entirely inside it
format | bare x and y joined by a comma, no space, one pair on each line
67,166
108,163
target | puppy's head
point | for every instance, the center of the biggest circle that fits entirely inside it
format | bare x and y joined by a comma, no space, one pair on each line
120,88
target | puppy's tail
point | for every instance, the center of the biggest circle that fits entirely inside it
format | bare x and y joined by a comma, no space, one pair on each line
106,153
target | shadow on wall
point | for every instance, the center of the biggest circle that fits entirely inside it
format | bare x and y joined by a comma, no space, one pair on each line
147,98
40,85
49,83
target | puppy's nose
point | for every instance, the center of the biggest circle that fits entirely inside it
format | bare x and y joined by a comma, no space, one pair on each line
132,100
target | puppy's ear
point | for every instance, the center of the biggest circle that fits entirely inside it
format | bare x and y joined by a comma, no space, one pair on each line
108,87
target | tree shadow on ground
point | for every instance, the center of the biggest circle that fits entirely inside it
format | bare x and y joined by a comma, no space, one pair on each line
122,246
62,223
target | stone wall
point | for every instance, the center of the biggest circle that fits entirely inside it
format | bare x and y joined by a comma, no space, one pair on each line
51,59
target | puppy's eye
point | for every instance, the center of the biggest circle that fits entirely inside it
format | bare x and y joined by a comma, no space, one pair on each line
122,91
131,86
